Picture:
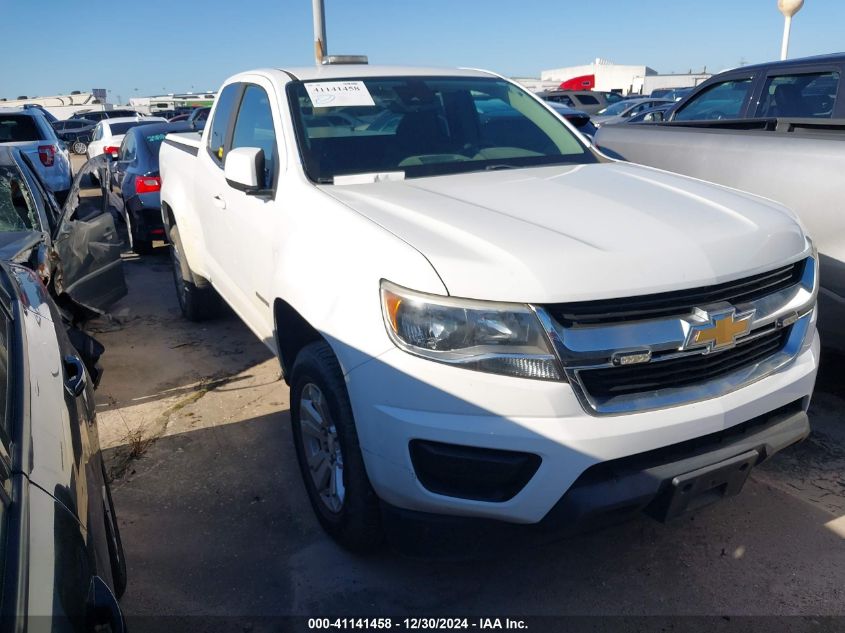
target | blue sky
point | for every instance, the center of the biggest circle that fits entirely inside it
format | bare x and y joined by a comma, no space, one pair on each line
159,46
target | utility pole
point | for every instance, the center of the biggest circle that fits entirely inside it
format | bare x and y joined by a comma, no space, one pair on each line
320,48
789,8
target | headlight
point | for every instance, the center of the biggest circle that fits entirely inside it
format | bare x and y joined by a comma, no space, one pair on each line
500,338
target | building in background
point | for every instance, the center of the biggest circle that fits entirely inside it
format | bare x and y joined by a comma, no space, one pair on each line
168,102
532,84
601,75
688,80
63,106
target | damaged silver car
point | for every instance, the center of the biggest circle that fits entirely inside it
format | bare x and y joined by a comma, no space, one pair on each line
75,249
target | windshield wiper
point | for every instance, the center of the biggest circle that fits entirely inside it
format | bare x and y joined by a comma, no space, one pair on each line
499,166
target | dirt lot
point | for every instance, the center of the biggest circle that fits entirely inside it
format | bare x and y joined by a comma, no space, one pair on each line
215,520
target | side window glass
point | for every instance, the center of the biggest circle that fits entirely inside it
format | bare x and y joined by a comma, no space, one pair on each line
220,123
587,99
254,128
17,208
810,95
720,101
44,199
127,150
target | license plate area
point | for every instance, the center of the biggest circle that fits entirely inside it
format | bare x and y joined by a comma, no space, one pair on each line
701,487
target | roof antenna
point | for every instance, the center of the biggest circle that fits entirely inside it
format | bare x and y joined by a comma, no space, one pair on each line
319,31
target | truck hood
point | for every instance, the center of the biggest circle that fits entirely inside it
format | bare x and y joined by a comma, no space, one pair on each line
583,232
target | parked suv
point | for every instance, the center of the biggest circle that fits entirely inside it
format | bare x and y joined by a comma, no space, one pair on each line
32,134
479,315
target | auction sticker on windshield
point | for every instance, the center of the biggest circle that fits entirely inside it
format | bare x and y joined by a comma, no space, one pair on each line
334,94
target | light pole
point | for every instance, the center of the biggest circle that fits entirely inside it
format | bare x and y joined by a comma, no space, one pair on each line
320,47
788,8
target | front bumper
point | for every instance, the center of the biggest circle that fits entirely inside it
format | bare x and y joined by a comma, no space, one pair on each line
398,398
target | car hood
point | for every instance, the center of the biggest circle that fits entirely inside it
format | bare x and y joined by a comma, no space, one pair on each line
601,120
571,233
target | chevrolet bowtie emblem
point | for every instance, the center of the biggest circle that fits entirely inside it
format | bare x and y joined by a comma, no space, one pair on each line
719,331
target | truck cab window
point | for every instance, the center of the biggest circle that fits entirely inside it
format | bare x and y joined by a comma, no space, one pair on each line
723,100
254,128
220,123
810,95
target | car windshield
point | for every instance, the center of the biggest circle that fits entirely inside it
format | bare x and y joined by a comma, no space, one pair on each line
615,109
122,128
424,126
18,127
17,210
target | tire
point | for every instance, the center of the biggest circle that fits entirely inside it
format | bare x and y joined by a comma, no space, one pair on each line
351,514
198,301
117,559
79,147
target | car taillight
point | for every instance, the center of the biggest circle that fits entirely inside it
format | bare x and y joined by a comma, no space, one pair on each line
147,184
111,149
47,155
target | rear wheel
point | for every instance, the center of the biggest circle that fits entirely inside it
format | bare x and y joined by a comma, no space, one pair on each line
79,147
328,451
198,301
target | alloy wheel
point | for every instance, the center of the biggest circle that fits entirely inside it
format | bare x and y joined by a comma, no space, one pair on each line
322,447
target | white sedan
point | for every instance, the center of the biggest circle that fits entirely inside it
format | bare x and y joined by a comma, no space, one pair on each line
109,133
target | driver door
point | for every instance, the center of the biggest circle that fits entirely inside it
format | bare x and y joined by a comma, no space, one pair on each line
89,269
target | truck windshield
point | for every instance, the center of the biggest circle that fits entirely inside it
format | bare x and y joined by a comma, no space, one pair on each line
425,126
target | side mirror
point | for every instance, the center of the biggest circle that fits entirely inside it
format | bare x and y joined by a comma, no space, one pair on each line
244,169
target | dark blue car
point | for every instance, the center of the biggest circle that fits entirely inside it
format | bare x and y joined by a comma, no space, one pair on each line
136,183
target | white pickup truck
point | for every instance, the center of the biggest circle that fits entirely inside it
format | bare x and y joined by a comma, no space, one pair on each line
477,313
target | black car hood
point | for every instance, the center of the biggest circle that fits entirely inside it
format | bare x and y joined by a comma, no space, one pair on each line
15,246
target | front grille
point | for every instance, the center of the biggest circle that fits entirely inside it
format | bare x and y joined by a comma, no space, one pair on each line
679,302
611,382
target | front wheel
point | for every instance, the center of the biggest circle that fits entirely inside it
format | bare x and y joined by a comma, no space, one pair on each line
79,147
328,451
197,303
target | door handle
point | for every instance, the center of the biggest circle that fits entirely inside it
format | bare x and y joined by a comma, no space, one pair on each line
74,375
219,202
